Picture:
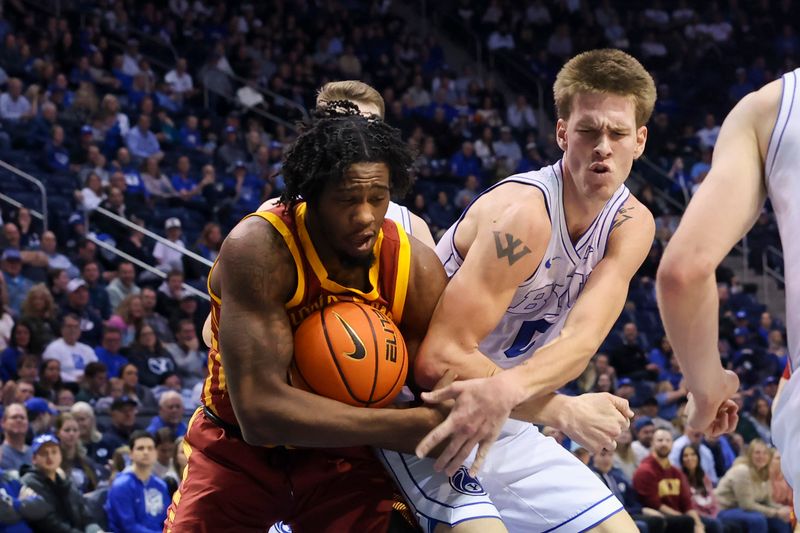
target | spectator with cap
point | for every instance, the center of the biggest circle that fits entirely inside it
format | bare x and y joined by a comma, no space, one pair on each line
644,428
123,285
695,438
620,486
170,414
246,189
72,354
14,452
17,286
626,388
67,510
150,357
168,258
78,305
664,488
41,415
137,501
123,422
94,384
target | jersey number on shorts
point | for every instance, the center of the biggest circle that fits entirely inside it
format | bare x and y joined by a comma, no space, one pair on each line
525,340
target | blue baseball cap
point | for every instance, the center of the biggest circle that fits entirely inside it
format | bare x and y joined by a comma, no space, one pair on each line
642,422
41,440
86,129
230,129
741,314
744,332
771,380
624,381
122,401
39,405
11,254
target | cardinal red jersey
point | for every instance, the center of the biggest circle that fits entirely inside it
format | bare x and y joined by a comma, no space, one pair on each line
388,278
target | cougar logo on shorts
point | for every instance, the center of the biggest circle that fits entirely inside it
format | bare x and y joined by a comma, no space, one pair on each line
462,482
359,351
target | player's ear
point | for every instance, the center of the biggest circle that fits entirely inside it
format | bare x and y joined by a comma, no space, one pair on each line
561,134
641,140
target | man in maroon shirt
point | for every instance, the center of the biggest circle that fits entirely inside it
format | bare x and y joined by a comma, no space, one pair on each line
663,487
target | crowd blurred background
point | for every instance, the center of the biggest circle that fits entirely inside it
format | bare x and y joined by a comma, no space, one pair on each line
175,117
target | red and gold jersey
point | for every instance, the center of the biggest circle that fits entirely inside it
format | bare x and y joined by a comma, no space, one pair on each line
388,278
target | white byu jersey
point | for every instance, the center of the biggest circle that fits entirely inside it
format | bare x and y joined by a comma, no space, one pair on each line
541,304
782,173
399,213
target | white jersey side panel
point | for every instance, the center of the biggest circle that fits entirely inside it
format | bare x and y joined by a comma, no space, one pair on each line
399,213
541,304
782,172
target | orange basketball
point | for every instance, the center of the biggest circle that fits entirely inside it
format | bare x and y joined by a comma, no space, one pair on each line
350,352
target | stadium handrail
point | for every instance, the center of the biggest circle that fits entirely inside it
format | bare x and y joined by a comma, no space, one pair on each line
34,181
155,236
141,264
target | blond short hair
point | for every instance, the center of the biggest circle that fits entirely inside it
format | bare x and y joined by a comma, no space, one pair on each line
605,71
352,90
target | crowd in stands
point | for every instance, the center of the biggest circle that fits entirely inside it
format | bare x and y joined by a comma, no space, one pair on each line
160,114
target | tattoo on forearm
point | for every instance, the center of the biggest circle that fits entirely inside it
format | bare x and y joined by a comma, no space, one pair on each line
623,217
512,243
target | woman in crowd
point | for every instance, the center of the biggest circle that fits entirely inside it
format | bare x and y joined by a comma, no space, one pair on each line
132,388
58,280
704,500
178,462
745,494
624,458
761,417
92,194
156,182
19,345
131,311
49,380
90,437
150,357
75,463
40,312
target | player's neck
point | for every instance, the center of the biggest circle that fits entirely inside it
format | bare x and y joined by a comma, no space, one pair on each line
579,211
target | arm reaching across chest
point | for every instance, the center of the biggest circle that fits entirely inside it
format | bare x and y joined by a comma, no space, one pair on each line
256,275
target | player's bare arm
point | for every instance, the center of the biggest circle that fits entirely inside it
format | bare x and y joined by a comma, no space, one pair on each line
421,230
255,276
561,360
724,208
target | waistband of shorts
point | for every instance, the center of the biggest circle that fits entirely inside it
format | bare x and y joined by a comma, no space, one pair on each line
231,430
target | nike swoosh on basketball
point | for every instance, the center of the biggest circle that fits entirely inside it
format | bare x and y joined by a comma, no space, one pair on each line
359,352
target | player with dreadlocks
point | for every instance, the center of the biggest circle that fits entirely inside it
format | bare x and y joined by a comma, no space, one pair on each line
259,450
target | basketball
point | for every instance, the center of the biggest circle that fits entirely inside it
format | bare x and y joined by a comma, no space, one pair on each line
350,352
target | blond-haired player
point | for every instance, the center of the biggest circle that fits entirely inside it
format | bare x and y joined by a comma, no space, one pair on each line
539,269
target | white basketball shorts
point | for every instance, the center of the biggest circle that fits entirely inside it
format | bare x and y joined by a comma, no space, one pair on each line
528,481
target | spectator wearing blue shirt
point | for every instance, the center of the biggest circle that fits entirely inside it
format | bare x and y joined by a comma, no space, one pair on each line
142,142
170,414
246,189
18,505
108,352
17,286
660,355
14,452
183,183
137,501
465,162
134,184
56,156
189,136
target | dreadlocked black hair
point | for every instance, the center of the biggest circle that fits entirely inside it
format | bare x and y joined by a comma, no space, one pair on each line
336,137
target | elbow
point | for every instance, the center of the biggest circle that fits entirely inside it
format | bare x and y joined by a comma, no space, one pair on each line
260,425
428,370
684,272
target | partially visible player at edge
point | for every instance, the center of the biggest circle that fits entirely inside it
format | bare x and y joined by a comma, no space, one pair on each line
757,155
551,253
274,267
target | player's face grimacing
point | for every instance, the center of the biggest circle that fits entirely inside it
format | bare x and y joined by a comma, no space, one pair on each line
600,141
352,211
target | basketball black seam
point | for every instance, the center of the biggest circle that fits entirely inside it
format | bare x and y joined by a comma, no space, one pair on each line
405,364
377,359
300,373
335,361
